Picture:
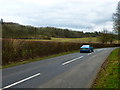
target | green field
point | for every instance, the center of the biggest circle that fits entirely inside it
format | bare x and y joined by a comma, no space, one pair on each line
78,40
83,40
108,76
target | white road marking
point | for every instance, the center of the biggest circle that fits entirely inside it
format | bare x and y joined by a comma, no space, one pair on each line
21,81
72,60
105,49
99,50
89,53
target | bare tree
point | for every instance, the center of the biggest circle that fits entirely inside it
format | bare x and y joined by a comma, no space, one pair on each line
106,36
116,18
103,36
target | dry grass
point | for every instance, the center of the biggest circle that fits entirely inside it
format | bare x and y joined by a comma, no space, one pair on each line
77,40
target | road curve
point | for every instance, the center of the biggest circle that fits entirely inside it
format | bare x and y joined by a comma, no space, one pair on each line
77,70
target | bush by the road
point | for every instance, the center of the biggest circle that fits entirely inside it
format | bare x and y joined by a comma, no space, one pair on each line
19,50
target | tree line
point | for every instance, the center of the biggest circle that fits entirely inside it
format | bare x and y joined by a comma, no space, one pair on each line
14,30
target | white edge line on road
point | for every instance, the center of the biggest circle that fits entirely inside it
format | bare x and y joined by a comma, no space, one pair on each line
20,81
89,53
72,60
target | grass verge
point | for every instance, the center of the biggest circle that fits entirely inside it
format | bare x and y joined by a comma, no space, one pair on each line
36,59
108,76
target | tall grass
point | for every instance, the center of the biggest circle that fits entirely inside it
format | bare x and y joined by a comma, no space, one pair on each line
18,50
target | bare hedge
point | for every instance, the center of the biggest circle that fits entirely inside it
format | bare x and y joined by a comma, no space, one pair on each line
18,50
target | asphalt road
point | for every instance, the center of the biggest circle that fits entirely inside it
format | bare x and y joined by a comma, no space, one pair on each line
77,70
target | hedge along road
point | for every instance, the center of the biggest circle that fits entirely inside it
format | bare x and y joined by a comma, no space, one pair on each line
77,70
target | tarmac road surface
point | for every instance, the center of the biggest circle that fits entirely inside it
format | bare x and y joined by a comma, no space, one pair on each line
76,70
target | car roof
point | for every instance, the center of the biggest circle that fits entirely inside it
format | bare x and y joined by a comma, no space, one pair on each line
85,45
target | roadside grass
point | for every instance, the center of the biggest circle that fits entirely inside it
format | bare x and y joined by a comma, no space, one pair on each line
108,76
36,59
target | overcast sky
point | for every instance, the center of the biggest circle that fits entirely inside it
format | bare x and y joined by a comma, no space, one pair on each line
86,15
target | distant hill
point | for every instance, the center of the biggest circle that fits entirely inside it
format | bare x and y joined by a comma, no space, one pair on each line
17,31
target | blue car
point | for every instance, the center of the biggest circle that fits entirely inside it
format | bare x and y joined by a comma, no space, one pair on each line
86,48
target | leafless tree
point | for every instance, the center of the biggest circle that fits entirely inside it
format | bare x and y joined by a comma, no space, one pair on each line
106,36
116,19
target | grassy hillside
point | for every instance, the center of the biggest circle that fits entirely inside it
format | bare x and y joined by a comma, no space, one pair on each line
17,31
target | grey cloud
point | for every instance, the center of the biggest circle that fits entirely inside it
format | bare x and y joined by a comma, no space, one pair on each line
74,14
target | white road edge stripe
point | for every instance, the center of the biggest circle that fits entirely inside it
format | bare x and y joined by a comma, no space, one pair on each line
20,81
89,53
72,60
